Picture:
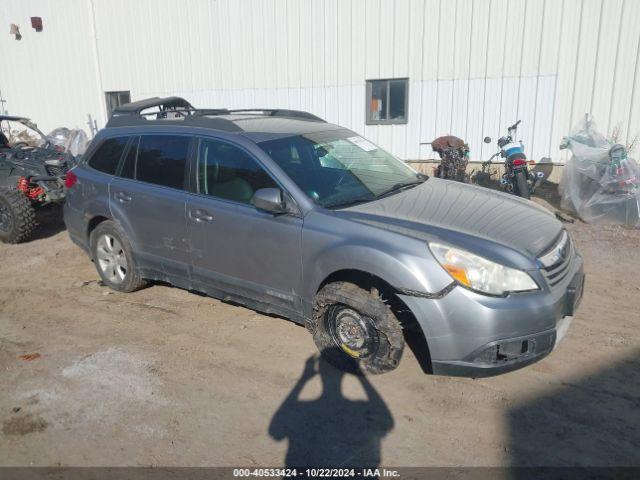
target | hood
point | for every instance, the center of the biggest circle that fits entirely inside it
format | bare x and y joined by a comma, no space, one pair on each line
458,213
35,160
24,121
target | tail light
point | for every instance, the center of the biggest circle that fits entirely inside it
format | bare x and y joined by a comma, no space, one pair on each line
519,162
70,179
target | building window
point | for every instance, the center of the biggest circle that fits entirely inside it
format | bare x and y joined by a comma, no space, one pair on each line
115,99
387,101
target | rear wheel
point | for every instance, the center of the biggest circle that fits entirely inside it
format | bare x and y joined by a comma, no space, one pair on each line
522,185
17,216
355,330
113,257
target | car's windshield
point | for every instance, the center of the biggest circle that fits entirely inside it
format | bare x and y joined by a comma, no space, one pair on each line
338,168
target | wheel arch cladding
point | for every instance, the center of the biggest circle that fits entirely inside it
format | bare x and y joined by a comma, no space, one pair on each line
93,223
403,271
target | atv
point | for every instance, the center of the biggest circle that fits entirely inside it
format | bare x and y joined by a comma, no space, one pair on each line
30,177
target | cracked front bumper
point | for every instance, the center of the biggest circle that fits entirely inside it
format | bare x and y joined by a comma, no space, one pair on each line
473,335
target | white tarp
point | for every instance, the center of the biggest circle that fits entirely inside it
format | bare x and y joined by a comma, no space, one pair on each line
72,140
600,182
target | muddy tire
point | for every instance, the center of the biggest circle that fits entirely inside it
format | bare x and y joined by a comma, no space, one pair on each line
113,257
17,216
355,330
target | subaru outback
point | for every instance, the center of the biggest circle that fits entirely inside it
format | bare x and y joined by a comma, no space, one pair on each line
287,214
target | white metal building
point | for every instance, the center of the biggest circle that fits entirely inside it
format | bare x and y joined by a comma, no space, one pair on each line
465,67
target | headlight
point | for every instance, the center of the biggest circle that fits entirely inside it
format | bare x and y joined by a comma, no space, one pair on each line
478,273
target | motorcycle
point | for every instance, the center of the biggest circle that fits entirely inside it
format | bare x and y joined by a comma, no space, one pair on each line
516,178
454,157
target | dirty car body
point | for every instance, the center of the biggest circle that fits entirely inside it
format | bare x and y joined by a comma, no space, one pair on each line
386,223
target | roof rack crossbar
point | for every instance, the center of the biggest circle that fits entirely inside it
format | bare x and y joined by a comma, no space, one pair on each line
167,103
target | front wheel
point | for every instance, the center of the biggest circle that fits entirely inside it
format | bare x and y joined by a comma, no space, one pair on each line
17,216
355,330
522,186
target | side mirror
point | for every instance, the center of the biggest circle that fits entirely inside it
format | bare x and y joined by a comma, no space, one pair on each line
269,200
487,140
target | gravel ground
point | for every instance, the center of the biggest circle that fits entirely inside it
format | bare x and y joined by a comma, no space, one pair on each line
90,377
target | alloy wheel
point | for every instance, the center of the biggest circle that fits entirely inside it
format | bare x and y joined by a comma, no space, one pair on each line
112,259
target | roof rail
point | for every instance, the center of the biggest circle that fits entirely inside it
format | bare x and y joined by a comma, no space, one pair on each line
280,112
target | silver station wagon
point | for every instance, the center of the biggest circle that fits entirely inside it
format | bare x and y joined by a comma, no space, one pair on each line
287,214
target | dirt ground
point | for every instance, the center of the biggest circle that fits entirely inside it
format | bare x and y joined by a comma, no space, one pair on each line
89,377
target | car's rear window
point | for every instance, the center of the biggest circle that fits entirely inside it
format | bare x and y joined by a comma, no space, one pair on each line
106,157
162,160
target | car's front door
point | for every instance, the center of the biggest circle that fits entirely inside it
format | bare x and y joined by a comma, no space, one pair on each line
148,198
236,249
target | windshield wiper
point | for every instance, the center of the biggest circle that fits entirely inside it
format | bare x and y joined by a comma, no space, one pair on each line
351,202
399,187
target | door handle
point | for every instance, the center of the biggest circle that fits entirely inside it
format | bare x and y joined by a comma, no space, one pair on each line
200,215
121,197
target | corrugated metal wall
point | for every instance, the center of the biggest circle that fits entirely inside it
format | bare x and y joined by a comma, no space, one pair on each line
474,66
49,76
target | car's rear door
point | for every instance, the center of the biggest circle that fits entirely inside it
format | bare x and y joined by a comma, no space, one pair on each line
236,249
148,199
89,197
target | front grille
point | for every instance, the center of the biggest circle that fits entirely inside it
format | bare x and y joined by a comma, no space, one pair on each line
557,272
56,170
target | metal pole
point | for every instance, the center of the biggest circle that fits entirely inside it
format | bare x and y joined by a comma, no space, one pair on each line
93,126
2,102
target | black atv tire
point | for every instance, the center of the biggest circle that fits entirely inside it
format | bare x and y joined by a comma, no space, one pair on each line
132,280
522,185
18,214
384,335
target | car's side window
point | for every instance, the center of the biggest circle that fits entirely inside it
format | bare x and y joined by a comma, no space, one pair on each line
162,160
107,156
228,172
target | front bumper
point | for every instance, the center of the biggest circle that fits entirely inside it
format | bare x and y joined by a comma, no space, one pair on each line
473,335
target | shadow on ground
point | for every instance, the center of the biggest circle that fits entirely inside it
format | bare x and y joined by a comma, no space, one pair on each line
593,421
331,430
50,222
